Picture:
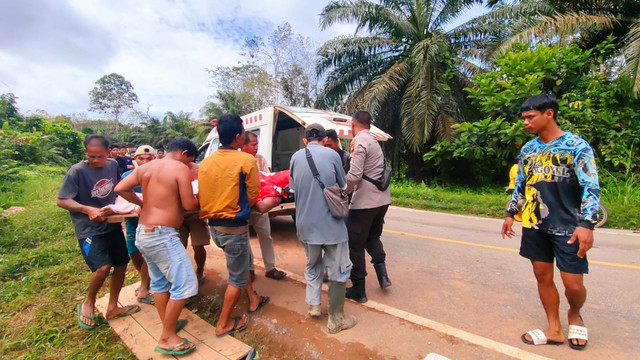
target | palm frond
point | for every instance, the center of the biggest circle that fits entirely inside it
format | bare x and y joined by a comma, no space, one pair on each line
451,9
424,94
560,25
444,123
469,68
366,15
345,50
632,57
343,81
495,23
382,86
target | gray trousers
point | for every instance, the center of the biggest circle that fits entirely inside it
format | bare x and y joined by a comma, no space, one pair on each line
262,226
335,260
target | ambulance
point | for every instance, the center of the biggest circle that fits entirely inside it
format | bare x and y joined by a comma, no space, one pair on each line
280,130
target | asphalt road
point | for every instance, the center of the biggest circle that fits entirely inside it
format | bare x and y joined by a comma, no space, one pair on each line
456,276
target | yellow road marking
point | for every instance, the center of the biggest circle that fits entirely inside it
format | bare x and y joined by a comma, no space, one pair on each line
625,266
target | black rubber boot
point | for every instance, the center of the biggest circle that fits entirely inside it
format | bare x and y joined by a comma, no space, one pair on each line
357,292
383,278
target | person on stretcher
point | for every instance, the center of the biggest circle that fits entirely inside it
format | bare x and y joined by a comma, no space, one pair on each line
273,188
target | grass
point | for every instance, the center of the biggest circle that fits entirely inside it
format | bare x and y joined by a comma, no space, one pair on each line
486,201
43,277
621,197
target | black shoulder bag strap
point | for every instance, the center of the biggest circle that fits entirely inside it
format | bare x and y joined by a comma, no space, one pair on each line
312,165
384,167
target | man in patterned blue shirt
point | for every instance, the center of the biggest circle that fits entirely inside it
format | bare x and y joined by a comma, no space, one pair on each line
558,181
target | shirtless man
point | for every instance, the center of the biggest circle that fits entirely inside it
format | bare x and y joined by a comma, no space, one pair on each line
167,193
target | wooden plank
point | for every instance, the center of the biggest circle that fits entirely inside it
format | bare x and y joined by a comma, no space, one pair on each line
120,217
140,332
132,333
227,346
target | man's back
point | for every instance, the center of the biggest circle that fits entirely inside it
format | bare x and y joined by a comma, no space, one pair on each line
314,221
229,185
161,187
367,159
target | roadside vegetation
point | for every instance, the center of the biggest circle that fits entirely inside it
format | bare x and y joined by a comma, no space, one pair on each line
43,277
620,197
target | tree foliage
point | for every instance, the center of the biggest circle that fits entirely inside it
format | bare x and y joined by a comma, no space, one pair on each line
113,95
591,105
278,70
406,66
35,139
150,130
290,60
584,22
241,90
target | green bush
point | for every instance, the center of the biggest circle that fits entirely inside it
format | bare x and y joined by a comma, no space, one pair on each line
36,139
591,105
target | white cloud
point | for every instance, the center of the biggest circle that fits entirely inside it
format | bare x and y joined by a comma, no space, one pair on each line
52,52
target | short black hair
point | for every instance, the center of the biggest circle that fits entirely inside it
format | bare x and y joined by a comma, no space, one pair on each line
160,149
103,141
542,103
229,126
113,146
248,135
332,134
182,144
362,117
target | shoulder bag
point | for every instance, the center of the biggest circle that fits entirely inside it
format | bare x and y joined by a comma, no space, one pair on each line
385,179
336,200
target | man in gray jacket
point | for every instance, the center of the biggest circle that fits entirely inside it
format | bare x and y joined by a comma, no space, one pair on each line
318,230
368,207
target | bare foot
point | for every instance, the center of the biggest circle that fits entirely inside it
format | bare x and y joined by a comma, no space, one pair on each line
232,325
576,319
257,301
122,311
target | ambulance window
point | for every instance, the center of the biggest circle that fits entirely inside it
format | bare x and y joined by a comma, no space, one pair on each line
201,153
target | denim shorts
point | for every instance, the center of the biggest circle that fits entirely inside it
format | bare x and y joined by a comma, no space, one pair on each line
236,250
169,266
540,246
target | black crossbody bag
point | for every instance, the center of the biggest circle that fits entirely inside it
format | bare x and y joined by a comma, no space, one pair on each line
385,179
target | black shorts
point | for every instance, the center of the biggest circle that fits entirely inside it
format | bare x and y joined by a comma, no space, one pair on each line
105,249
540,246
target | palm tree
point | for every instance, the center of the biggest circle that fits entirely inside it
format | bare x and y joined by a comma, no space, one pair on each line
587,22
406,67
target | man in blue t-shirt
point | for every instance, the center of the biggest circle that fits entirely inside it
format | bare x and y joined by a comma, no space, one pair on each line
87,188
558,181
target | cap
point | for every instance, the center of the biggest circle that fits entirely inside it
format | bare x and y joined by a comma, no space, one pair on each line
315,132
144,149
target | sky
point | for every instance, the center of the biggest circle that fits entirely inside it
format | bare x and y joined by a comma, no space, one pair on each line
53,51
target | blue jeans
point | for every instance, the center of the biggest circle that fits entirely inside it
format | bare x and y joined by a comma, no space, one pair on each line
169,266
